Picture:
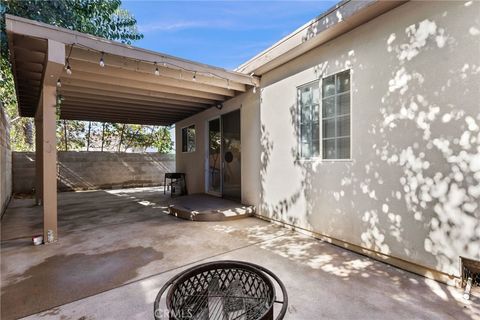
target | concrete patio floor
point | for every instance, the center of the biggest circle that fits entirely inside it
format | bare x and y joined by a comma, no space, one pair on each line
118,247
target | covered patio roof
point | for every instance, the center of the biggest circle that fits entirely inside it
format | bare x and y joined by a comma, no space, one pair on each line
128,89
101,80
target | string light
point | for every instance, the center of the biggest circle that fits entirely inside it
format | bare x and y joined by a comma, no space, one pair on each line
59,83
102,63
157,71
69,70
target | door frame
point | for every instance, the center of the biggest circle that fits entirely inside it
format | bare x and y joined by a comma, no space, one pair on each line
207,150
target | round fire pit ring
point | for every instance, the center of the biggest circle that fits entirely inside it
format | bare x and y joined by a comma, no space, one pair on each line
225,289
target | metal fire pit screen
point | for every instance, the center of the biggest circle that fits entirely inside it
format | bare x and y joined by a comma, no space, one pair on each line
223,290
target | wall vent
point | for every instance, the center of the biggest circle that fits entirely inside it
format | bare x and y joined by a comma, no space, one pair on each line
470,276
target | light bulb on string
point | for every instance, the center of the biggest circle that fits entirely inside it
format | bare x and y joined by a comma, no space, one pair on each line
102,63
194,78
59,83
69,69
157,72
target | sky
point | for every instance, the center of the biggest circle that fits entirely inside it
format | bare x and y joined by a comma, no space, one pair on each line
220,33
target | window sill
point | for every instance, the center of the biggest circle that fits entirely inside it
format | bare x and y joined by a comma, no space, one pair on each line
318,160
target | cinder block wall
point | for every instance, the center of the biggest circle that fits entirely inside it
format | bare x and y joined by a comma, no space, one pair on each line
5,162
95,170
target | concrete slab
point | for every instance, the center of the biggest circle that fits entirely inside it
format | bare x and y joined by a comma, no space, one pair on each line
204,207
118,247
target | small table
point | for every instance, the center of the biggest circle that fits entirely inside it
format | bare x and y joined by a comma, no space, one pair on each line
174,177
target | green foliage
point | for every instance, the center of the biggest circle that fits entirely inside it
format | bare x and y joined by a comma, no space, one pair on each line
21,130
104,18
141,138
71,135
162,140
106,136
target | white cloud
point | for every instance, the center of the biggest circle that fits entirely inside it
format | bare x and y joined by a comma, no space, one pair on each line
180,25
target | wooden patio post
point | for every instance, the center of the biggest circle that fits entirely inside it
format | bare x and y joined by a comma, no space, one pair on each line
48,113
49,163
39,155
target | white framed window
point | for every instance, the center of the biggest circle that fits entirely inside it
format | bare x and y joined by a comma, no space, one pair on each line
188,138
308,97
336,135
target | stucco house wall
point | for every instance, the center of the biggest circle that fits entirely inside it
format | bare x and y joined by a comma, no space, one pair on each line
193,164
411,190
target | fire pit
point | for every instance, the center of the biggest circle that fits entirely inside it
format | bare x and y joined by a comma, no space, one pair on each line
223,290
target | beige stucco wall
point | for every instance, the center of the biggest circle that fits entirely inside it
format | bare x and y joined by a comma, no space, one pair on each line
193,163
411,190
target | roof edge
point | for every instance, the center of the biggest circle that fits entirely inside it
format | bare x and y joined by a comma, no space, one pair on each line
27,27
339,19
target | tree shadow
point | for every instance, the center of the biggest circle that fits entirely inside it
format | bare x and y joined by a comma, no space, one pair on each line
413,188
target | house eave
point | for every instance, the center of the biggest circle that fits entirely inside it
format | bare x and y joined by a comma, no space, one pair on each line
342,18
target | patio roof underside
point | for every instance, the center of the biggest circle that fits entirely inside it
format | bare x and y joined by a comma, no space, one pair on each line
126,90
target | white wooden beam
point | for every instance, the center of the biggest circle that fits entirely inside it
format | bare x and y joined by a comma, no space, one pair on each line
55,63
71,83
99,80
124,107
113,96
123,75
85,56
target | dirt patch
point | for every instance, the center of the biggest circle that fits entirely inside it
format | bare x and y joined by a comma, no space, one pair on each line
65,278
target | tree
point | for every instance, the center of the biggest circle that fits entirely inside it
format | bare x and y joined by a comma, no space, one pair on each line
72,135
104,18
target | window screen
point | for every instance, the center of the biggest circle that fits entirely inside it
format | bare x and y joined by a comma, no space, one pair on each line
188,139
308,130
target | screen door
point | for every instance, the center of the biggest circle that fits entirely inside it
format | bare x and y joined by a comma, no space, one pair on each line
231,155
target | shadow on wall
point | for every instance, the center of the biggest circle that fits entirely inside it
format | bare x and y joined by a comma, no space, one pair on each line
106,170
417,188
96,170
